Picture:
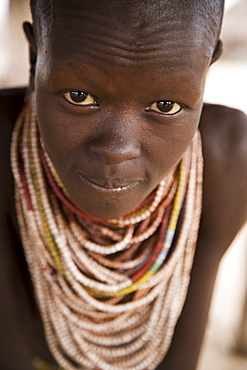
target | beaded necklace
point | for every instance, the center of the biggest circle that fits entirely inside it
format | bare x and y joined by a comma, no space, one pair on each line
109,292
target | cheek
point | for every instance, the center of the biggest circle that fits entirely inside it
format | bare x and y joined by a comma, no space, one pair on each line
60,132
168,143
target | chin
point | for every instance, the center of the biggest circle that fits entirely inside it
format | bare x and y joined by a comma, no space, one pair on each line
107,211
107,204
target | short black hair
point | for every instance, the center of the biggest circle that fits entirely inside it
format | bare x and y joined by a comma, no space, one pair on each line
209,12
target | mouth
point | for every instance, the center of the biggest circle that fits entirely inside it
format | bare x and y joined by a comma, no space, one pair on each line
108,185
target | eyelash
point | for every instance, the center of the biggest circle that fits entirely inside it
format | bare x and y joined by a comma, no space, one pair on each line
174,106
92,101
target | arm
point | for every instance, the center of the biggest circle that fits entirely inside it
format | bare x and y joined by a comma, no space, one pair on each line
14,353
224,136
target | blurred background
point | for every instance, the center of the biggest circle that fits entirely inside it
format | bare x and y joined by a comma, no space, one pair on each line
225,344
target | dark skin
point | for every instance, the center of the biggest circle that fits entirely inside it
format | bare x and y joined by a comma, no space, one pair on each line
120,135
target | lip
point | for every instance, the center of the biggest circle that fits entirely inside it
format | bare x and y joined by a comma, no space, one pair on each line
108,185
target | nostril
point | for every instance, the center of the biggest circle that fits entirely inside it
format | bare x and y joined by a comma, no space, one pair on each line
115,150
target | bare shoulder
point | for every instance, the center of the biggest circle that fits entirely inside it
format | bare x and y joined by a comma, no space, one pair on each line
224,134
11,101
224,137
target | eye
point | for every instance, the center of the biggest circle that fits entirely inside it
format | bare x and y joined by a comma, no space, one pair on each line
165,107
80,98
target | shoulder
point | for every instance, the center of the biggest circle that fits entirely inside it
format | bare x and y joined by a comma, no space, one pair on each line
224,137
11,101
226,126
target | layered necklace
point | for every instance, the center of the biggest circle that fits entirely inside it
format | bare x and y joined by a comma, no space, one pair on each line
109,292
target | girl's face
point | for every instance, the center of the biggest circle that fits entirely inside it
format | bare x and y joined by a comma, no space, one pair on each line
117,105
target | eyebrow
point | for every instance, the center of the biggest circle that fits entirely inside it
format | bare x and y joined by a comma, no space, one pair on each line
91,78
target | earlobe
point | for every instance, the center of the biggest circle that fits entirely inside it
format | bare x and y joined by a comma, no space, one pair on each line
217,51
28,29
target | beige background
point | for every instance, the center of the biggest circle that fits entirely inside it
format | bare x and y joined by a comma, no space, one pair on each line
226,84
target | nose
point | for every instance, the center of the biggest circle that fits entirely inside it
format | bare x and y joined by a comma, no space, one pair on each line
118,140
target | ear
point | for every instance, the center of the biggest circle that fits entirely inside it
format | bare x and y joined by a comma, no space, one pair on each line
29,32
217,52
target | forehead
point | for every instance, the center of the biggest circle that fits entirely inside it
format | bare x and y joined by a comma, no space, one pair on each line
134,22
124,33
